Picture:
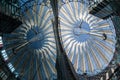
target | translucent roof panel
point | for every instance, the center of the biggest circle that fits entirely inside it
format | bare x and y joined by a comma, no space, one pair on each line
89,41
31,47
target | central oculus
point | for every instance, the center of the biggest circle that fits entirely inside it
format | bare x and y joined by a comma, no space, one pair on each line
81,31
35,37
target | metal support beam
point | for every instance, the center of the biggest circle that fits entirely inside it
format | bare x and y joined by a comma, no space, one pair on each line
64,70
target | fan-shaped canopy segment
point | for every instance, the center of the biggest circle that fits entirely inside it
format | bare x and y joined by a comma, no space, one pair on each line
33,45
89,41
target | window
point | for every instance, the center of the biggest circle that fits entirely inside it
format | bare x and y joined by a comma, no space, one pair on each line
1,43
11,67
4,55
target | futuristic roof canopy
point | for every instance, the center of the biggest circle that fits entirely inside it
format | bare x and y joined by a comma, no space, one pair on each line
33,45
89,41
